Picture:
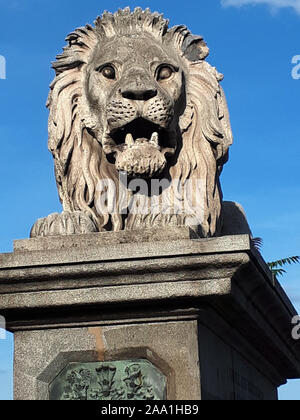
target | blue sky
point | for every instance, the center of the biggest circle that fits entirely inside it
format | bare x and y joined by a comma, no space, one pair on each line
252,43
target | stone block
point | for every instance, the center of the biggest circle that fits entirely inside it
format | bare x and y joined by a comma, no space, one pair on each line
205,312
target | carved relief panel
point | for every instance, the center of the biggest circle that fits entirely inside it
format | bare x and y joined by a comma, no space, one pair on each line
121,380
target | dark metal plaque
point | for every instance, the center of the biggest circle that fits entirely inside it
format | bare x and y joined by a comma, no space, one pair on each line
121,380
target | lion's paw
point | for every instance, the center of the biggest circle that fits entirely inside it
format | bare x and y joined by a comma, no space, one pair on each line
65,223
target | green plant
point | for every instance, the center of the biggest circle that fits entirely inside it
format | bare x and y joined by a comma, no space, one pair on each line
276,266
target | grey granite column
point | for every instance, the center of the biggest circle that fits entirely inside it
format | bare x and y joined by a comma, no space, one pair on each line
205,315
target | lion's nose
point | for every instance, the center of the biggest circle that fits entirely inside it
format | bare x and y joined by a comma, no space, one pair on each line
139,94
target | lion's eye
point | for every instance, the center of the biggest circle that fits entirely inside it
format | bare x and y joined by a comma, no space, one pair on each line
109,72
164,73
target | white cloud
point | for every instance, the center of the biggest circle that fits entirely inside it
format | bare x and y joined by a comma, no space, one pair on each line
274,4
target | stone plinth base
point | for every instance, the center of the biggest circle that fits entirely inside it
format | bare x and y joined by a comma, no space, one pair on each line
206,313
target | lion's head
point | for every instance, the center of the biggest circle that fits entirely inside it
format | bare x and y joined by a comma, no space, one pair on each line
136,98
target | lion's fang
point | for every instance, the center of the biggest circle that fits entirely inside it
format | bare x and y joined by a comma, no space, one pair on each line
129,140
154,139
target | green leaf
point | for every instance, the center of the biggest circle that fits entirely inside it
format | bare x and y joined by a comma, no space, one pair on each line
257,243
284,262
278,272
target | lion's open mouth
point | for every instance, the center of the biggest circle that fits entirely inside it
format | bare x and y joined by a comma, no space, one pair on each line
139,148
142,130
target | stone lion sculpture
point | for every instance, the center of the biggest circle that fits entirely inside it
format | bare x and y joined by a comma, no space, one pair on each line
133,102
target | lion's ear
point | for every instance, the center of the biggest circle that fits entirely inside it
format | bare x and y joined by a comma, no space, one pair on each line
194,48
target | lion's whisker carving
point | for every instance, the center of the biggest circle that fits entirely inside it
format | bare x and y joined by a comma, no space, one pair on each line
150,113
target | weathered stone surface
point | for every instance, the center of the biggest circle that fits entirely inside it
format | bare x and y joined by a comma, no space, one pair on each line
103,239
104,268
226,374
122,116
58,347
235,223
167,296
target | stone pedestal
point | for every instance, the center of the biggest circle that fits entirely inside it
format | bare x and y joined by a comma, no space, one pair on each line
206,313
